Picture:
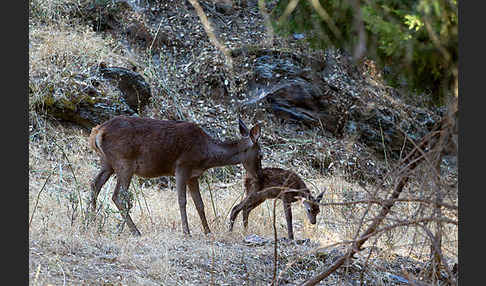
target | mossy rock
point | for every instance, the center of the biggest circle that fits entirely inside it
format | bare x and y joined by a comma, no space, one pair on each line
80,108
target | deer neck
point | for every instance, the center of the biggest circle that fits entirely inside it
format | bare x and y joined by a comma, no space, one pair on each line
223,153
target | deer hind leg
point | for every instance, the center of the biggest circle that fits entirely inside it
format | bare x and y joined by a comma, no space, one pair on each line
288,217
123,200
234,213
246,205
198,202
251,202
97,184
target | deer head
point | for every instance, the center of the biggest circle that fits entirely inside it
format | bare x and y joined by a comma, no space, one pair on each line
251,158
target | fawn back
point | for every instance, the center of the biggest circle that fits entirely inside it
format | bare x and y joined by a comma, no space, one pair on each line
276,183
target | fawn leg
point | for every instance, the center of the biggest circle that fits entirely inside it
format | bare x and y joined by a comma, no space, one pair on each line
251,202
234,213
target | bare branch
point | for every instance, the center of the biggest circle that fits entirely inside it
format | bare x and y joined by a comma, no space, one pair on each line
381,202
429,140
325,16
268,24
209,31
288,10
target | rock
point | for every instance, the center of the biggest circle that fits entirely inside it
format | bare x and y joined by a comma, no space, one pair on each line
224,6
255,240
135,90
298,36
85,108
138,34
90,99
334,95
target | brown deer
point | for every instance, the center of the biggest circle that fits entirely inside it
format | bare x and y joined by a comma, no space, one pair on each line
276,183
151,148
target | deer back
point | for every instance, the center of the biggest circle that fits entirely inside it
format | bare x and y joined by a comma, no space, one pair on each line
157,147
276,180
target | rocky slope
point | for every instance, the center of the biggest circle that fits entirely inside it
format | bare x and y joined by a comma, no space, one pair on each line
277,80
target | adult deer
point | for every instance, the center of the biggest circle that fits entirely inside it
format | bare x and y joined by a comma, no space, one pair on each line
151,148
276,183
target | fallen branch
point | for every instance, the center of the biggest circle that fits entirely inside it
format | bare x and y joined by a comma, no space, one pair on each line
380,202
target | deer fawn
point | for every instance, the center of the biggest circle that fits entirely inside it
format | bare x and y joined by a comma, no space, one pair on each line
276,183
151,148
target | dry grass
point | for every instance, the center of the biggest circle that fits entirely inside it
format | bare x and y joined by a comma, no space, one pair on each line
60,56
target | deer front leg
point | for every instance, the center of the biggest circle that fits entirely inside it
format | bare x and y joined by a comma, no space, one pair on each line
288,217
181,179
198,202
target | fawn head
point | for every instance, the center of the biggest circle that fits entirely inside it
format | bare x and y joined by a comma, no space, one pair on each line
312,207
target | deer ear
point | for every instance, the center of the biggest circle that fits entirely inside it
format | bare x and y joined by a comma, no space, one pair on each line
319,197
243,129
255,133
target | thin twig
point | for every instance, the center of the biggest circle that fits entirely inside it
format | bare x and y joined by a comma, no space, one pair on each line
383,142
268,23
38,195
209,31
74,176
438,251
275,258
155,37
211,196
148,209
63,274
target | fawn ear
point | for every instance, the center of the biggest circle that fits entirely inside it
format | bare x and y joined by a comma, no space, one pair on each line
255,133
319,197
243,129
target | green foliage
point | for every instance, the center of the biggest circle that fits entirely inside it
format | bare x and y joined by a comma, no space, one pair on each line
416,40
304,19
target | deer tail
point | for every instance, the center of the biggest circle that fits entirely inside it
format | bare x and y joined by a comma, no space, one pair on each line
95,139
